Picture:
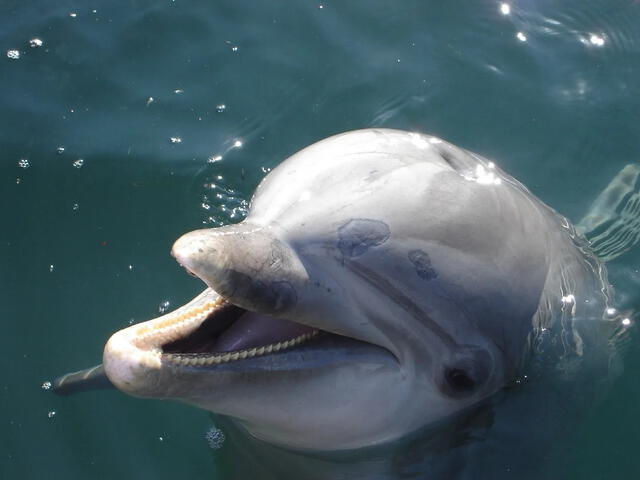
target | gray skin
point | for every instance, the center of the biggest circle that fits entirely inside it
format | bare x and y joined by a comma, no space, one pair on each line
441,264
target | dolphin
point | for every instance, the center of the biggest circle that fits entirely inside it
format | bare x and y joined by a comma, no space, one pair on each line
382,281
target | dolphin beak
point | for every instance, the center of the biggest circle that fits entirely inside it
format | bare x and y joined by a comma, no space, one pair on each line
247,264
253,278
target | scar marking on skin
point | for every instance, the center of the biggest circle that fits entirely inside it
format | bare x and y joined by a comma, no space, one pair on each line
422,264
358,235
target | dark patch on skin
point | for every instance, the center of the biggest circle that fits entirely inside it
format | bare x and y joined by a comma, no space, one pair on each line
422,264
360,234
457,159
284,294
265,297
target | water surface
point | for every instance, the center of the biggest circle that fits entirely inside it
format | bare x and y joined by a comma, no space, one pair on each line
177,110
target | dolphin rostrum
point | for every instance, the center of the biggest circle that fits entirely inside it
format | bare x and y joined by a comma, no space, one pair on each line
382,280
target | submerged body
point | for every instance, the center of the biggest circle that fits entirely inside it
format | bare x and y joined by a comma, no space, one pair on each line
382,281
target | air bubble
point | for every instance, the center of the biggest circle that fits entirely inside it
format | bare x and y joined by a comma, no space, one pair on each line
175,140
78,163
24,163
221,108
35,43
164,306
215,438
46,385
60,150
13,54
51,414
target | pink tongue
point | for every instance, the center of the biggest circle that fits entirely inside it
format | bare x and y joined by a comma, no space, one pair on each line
255,330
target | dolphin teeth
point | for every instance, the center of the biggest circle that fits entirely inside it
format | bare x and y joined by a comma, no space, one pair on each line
168,328
174,325
198,360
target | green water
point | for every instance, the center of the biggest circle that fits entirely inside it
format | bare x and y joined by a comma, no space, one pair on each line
550,91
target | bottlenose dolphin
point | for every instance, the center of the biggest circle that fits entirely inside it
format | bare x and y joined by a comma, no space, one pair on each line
383,280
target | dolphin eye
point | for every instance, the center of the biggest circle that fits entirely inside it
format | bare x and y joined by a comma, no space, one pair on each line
459,382
467,372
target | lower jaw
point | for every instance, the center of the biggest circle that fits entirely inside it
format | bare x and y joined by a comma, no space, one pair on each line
217,358
324,350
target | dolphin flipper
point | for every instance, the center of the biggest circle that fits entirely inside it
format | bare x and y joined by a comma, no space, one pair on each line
86,380
612,224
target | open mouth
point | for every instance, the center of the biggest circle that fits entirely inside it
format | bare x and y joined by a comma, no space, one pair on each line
229,333
210,331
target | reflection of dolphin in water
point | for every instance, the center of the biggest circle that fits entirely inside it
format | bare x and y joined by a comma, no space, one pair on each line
382,281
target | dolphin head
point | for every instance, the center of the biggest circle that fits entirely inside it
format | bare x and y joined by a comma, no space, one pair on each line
375,287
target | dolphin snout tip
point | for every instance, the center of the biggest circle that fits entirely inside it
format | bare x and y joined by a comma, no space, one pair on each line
196,252
176,250
186,247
